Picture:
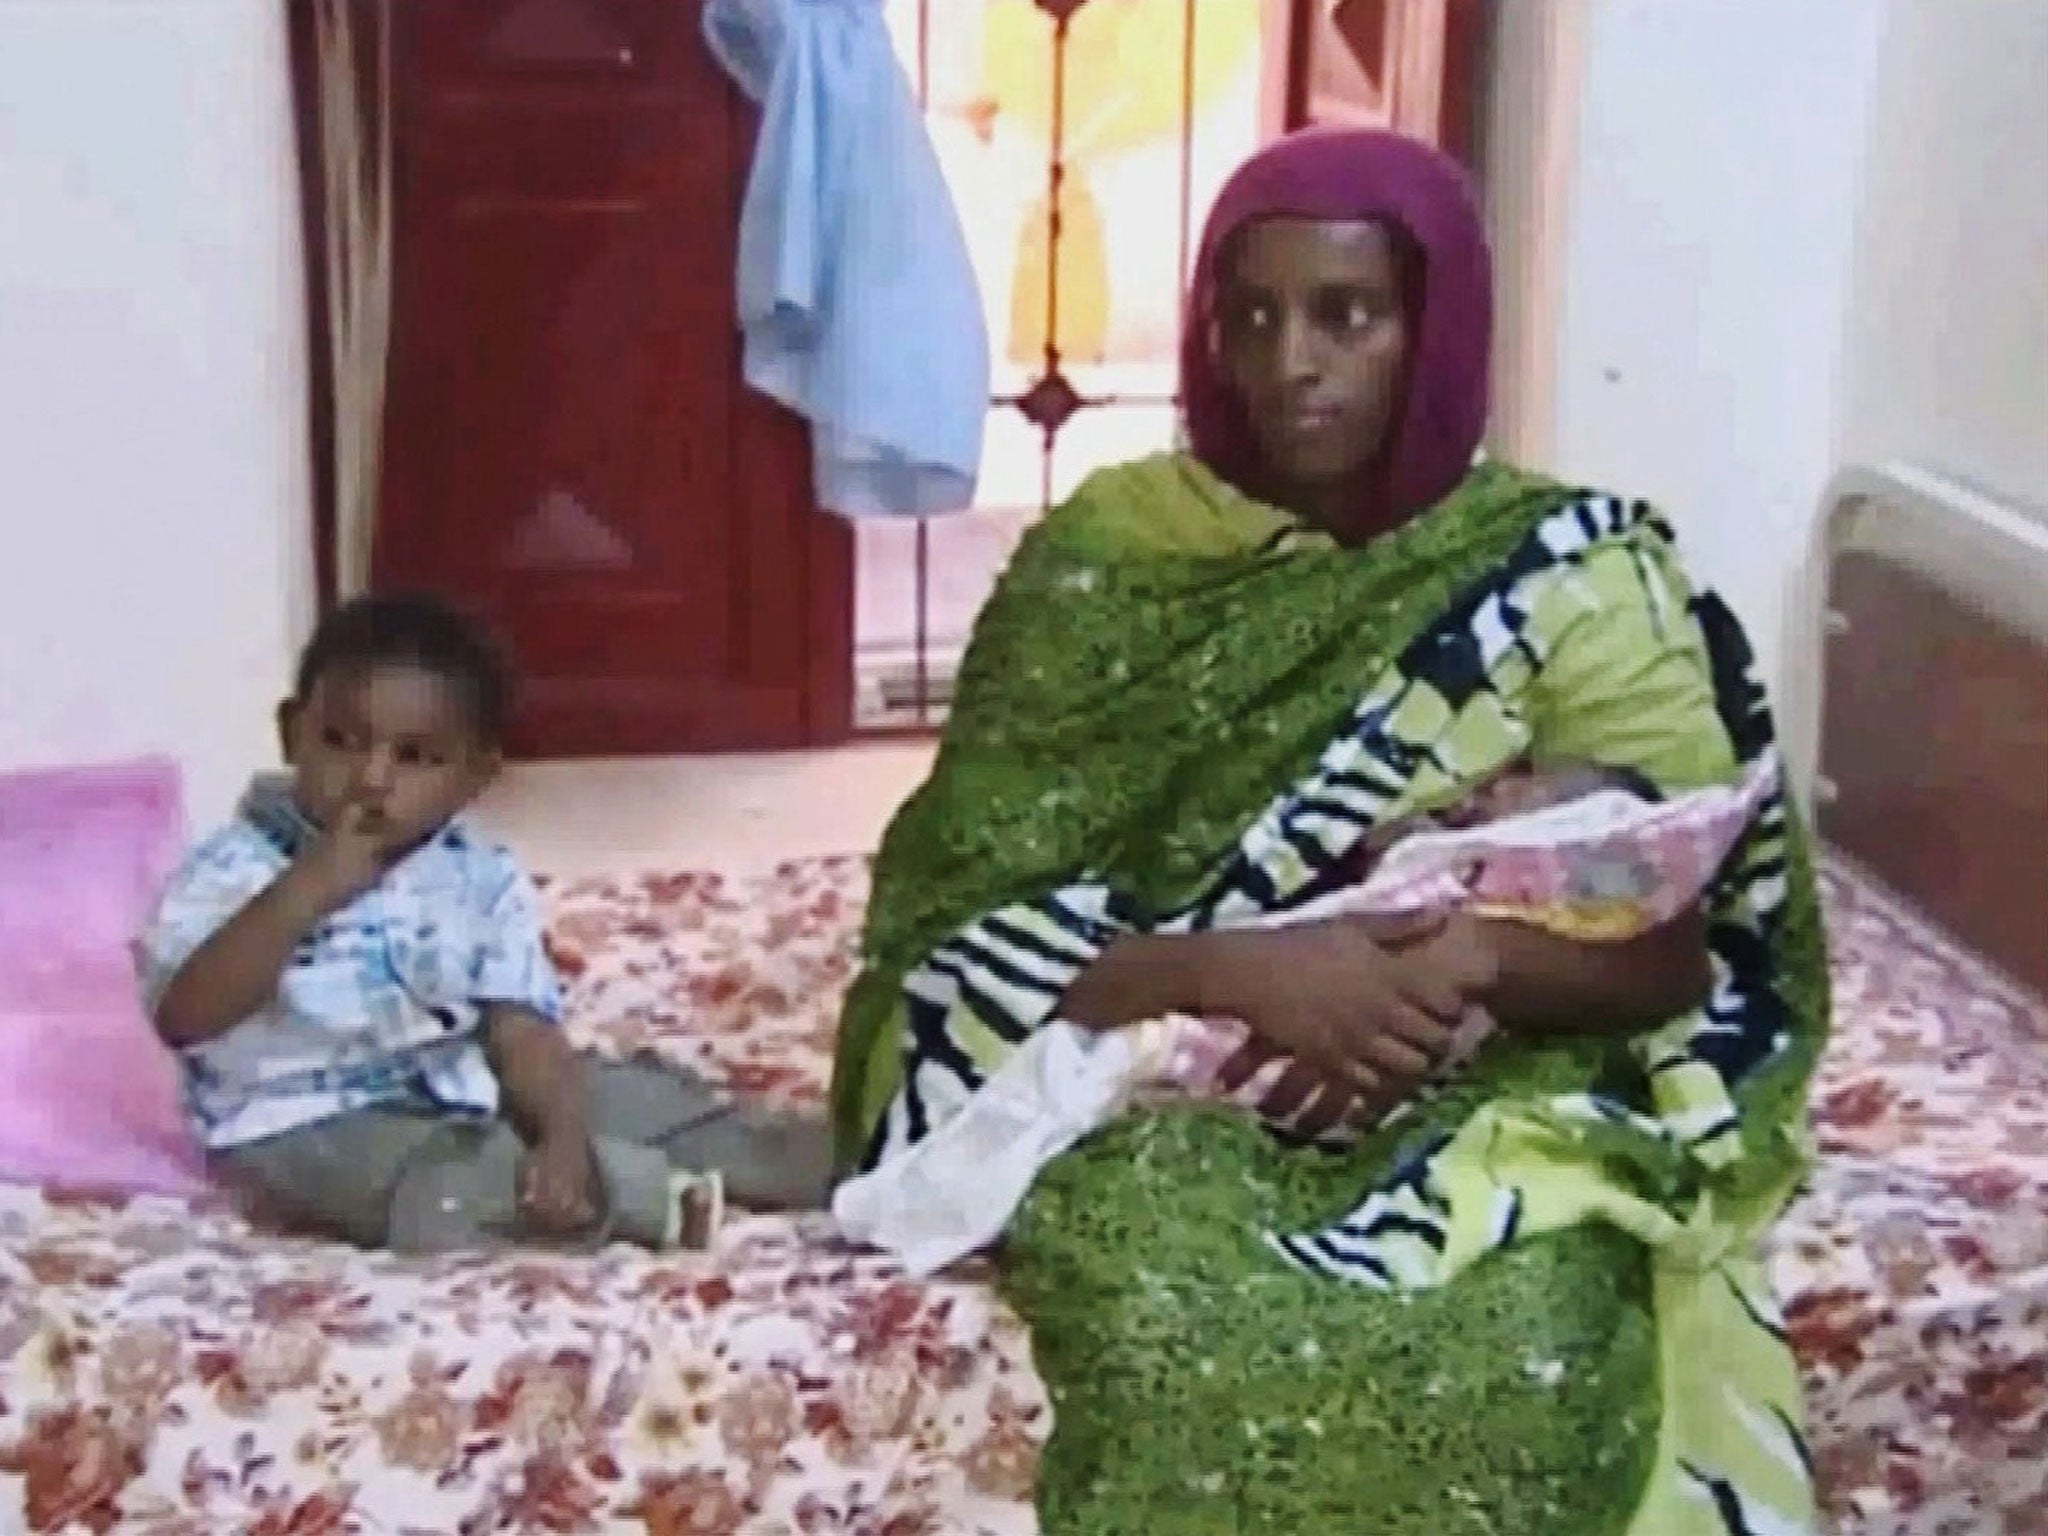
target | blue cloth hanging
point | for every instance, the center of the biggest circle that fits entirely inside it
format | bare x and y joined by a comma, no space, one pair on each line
856,296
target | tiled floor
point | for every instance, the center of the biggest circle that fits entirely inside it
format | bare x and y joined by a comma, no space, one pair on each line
734,813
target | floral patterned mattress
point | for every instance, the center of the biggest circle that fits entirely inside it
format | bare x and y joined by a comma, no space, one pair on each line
166,1370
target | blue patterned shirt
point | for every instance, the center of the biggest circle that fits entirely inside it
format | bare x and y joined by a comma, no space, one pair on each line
381,1004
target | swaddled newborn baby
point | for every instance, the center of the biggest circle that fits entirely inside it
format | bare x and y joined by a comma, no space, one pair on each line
1560,876
1584,850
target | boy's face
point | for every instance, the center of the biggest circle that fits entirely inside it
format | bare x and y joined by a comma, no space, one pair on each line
396,740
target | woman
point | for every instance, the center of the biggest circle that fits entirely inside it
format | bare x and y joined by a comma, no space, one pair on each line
1202,681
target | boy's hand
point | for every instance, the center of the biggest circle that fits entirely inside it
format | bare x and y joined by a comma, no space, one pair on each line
558,1185
349,858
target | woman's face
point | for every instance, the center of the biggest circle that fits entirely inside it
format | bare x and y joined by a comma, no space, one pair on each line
1313,337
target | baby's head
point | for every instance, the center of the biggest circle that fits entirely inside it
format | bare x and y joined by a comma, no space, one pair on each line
400,704
1525,787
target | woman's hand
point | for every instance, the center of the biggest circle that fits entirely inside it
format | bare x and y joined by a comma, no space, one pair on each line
1365,1007
1306,1100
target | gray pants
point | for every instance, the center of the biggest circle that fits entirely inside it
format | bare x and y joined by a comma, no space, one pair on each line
417,1181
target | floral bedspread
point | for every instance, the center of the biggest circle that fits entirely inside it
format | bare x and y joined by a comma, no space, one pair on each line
166,1370
1915,1269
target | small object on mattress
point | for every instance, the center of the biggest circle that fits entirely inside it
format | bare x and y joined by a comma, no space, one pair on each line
1605,865
88,1095
700,1210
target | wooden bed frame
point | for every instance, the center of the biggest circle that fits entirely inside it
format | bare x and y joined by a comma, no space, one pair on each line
1933,713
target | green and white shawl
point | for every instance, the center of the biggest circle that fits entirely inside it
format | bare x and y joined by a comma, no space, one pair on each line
1181,705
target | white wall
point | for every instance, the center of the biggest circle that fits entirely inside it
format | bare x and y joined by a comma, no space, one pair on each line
154,563
1947,345
1707,261
1797,237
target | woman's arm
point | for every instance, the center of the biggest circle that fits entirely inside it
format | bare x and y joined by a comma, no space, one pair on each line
1547,984
1542,982
1142,976
1364,1007
1627,682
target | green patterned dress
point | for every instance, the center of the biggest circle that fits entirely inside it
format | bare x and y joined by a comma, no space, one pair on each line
1549,1319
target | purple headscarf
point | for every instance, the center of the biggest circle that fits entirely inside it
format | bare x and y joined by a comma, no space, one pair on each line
1351,174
